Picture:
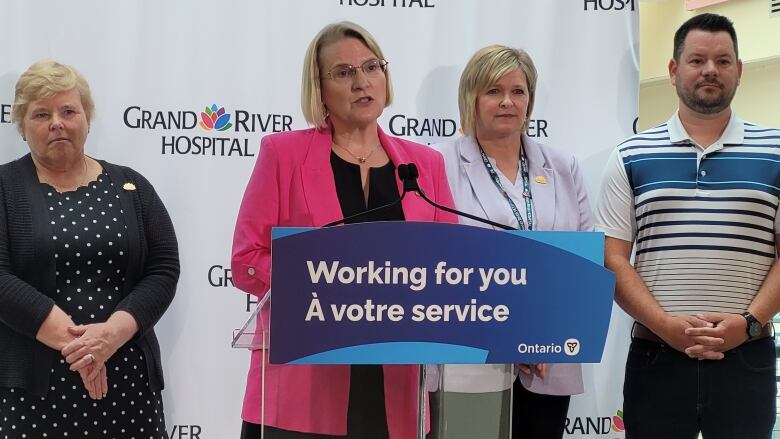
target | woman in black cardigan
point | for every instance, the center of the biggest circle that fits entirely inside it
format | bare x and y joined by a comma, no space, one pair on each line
88,264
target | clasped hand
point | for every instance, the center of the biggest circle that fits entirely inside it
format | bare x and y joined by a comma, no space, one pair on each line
537,369
87,354
705,336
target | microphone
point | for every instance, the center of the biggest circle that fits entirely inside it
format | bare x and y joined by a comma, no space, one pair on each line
409,173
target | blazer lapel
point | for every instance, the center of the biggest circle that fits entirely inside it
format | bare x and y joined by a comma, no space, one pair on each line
542,182
490,200
319,187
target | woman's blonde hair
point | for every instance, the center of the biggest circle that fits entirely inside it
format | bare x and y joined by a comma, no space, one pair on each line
483,70
314,110
44,79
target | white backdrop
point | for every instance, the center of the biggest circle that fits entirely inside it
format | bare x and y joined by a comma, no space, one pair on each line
154,65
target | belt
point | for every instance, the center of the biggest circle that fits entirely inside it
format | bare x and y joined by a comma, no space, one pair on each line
641,332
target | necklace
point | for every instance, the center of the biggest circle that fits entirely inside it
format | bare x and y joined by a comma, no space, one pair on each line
81,182
360,159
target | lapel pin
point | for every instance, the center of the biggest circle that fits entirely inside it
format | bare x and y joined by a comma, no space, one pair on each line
540,180
128,186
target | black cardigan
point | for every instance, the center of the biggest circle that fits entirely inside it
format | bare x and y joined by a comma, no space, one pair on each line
27,271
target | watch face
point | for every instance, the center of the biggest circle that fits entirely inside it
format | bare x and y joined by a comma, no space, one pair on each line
755,329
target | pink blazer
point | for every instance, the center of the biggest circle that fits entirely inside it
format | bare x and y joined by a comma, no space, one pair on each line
292,185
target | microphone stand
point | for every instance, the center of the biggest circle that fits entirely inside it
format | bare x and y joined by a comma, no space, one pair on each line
365,212
458,212
408,173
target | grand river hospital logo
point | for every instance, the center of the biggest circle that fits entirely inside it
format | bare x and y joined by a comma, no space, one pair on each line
215,118
221,133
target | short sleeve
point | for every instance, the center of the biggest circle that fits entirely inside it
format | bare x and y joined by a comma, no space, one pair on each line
615,210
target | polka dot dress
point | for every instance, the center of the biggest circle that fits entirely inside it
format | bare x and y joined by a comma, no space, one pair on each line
90,243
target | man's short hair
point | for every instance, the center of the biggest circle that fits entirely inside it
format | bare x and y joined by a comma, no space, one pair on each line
705,22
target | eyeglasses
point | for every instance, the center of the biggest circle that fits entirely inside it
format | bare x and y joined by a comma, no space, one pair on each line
345,72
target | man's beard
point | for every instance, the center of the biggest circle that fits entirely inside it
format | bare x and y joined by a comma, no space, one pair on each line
706,105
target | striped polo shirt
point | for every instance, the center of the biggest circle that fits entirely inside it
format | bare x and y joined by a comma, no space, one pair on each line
703,222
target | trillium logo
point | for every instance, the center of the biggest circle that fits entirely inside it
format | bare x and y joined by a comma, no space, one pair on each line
214,118
571,347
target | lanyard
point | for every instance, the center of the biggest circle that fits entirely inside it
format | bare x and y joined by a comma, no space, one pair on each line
526,189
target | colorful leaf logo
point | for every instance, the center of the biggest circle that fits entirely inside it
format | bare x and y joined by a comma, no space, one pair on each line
617,422
214,118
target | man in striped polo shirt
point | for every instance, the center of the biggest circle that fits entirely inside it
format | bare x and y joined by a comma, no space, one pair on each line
697,199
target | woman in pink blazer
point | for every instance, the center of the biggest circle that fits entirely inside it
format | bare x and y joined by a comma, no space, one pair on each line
345,165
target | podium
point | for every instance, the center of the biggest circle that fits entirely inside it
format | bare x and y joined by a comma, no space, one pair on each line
406,293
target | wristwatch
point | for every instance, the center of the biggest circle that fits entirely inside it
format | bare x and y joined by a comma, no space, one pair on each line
753,326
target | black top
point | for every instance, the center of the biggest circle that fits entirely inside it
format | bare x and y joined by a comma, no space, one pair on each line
382,189
28,271
366,410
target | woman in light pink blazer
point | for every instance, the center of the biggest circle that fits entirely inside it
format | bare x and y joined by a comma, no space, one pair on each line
497,172
303,178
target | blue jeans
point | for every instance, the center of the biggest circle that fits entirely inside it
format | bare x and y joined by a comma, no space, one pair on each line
668,395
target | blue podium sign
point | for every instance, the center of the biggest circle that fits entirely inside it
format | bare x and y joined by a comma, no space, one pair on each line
411,293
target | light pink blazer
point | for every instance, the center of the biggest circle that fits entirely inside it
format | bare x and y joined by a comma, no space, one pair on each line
560,203
292,185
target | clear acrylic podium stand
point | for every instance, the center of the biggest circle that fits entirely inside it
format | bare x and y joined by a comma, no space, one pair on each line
466,401
471,401
254,334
